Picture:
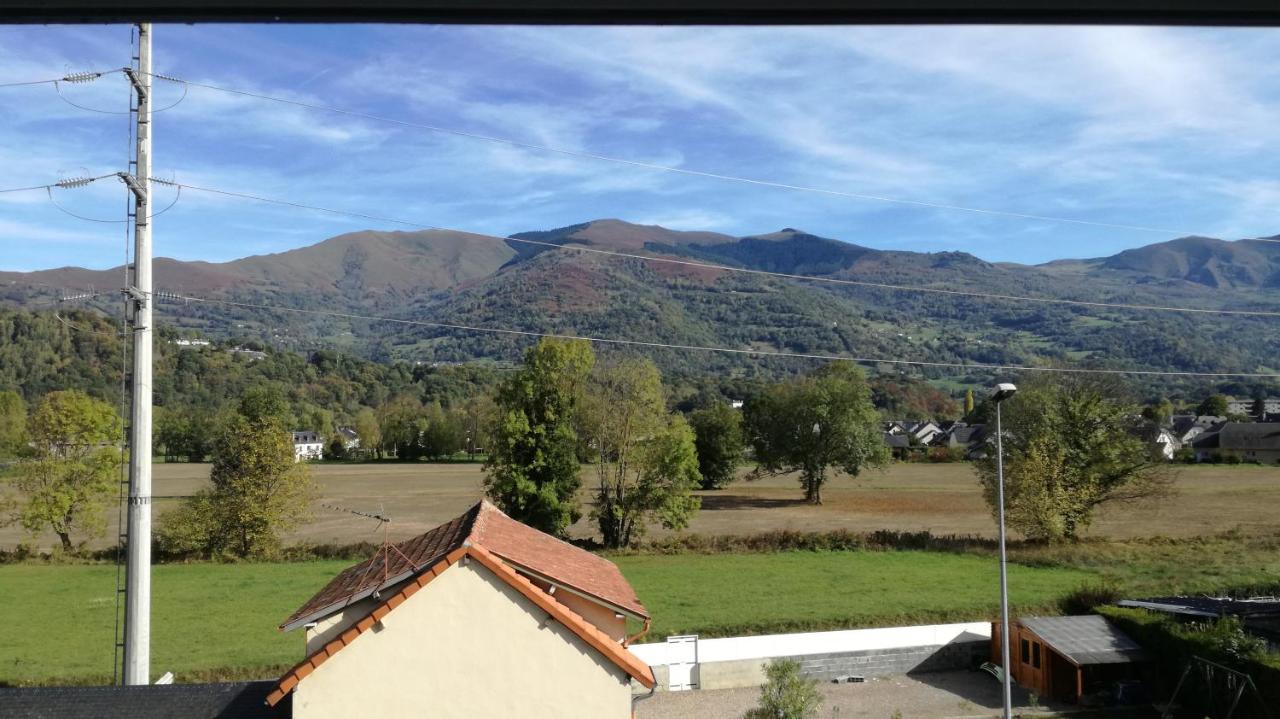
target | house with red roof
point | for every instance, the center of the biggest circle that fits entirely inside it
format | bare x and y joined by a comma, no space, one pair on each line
480,617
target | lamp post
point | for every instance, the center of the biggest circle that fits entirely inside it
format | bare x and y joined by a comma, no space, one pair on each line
1003,391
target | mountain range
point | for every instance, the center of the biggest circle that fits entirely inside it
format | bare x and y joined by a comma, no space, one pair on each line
552,281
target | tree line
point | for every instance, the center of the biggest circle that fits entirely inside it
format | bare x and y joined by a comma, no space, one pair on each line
1069,442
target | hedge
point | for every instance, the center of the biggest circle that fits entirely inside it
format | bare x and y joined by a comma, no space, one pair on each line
1171,644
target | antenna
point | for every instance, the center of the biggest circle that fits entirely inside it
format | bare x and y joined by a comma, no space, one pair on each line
384,551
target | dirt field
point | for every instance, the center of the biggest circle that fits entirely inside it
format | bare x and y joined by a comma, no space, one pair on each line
943,498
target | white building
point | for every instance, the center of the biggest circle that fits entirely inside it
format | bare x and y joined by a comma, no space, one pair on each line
307,445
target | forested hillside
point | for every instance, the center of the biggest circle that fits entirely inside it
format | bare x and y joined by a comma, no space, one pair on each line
561,286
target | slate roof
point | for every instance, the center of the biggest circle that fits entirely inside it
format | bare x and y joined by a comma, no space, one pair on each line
235,700
528,550
1249,435
897,441
611,649
1085,640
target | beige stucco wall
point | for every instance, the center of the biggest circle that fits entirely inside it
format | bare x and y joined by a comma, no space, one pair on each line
466,646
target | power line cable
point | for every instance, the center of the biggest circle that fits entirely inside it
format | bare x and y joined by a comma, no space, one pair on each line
68,184
727,268
703,348
73,77
666,168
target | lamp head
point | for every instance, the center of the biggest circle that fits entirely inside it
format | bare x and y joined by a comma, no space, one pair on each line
1004,391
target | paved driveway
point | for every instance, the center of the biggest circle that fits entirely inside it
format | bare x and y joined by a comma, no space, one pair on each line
937,695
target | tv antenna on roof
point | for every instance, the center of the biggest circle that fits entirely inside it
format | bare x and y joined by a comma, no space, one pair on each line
380,516
385,550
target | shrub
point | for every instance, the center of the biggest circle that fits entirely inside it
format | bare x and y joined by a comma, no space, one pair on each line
786,694
1171,645
1085,598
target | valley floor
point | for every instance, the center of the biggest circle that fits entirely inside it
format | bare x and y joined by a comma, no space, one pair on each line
941,498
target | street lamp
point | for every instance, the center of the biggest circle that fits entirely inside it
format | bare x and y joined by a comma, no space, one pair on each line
1003,391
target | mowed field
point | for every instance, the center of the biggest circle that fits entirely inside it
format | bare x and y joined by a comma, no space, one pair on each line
219,620
942,498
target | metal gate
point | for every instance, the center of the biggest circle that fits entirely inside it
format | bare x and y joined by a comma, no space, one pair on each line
682,653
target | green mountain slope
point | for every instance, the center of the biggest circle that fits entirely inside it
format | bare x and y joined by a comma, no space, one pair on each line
460,279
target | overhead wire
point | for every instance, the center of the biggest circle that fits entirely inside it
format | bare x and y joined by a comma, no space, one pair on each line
701,348
73,77
580,154
729,268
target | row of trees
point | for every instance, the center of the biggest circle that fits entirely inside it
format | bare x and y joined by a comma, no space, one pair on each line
563,407
1069,449
69,466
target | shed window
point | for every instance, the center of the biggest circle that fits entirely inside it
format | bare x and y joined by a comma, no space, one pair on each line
1026,652
1035,655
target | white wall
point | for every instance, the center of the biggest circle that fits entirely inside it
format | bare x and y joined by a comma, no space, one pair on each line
792,645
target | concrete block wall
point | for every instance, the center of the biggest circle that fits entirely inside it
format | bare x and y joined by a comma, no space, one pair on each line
740,662
885,662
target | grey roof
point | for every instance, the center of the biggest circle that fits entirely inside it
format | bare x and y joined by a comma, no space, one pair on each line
1085,640
968,435
897,441
1250,435
235,700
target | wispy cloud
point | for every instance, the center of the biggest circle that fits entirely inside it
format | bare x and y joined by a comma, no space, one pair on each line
1137,126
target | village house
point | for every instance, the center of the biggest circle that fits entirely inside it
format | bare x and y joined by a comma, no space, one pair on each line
1271,405
480,617
307,445
1186,427
350,440
1162,440
1248,441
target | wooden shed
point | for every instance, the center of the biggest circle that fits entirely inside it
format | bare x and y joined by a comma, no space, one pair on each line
1067,658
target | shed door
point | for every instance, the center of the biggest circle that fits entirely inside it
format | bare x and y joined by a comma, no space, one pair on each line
683,658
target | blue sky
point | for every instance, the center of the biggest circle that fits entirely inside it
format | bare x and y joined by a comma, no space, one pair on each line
1162,128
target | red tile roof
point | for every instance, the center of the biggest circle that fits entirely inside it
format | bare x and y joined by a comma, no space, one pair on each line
484,525
598,640
526,548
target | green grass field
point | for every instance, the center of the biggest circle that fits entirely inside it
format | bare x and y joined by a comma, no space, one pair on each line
219,620
737,594
60,618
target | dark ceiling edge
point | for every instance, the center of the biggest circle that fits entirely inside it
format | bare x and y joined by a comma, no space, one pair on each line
615,12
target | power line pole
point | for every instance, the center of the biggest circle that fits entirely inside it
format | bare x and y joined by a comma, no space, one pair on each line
137,611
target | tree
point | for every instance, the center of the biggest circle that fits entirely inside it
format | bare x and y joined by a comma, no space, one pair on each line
1070,446
402,423
968,402
647,465
443,435
1259,408
13,424
719,440
1213,406
369,432
73,467
259,492
810,424
478,422
786,694
532,472
337,448
1160,413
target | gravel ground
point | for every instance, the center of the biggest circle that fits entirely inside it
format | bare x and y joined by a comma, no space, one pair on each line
939,695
